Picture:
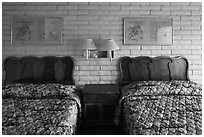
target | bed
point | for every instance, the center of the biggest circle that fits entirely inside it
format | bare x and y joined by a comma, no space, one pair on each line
39,96
157,97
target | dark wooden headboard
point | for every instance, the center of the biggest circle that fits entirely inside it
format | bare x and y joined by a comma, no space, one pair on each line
47,69
144,68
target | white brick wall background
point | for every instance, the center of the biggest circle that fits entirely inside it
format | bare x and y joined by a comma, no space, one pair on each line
102,20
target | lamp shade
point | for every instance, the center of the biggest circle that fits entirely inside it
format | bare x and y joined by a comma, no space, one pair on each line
109,45
87,44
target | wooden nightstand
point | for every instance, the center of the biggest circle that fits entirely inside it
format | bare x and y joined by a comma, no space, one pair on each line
99,104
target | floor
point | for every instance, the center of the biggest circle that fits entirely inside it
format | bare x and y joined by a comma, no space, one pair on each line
110,130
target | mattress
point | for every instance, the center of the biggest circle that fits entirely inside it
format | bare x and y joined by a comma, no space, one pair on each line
40,109
160,108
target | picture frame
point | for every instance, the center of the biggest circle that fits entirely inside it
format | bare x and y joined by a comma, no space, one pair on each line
36,30
148,30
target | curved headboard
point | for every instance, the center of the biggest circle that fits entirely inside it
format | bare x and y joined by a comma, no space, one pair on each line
144,68
47,69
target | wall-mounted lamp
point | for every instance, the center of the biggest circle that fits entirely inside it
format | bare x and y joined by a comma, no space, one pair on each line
87,44
109,45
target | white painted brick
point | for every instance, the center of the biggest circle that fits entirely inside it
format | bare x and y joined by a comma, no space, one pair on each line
77,12
140,12
193,57
107,78
150,7
107,17
196,72
110,7
62,7
82,73
185,42
54,12
129,7
140,52
169,7
191,17
105,62
114,73
177,37
155,12
196,3
98,12
181,22
105,73
119,3
95,7
175,52
34,12
124,52
196,32
78,3
147,47
195,67
5,7
181,32
196,22
139,3
191,27
179,3
197,52
95,73
87,17
99,22
196,62
99,3
89,78
159,3
36,52
26,7
46,7
118,13
12,12
89,67
108,68
161,52
88,27
95,82
191,37
134,47
197,42
178,12
82,62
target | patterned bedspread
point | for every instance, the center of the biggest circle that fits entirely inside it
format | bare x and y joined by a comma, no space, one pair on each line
160,108
40,109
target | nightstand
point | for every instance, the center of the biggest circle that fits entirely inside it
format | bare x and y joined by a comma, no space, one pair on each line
99,104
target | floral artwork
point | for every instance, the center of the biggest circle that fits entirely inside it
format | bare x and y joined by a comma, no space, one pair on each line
36,30
24,31
143,30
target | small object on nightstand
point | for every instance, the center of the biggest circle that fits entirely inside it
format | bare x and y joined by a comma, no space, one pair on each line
99,104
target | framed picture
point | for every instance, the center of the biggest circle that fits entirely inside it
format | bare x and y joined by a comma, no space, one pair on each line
148,30
36,30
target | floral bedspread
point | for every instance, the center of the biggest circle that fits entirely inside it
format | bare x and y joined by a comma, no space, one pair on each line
29,109
161,108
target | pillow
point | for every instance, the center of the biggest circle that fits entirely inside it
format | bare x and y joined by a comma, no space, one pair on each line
59,71
38,69
138,71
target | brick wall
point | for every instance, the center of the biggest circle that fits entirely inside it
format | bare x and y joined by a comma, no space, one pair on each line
105,20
